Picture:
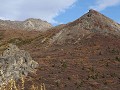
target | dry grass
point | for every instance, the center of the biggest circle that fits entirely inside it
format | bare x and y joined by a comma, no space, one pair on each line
12,85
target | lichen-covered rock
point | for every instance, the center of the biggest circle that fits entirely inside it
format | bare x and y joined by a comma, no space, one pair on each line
11,50
14,63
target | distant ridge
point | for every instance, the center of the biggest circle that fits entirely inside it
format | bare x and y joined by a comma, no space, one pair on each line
28,24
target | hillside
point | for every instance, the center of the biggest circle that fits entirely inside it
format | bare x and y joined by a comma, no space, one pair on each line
81,55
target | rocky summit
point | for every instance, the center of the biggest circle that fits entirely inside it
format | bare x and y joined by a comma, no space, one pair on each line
28,24
15,63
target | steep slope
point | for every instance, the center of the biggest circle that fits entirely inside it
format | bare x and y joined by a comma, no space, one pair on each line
81,55
29,24
88,24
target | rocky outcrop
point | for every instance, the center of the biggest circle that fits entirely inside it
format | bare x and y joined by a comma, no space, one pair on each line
14,63
29,24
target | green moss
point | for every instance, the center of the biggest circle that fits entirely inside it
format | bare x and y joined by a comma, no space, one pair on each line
20,42
1,35
64,65
117,58
15,40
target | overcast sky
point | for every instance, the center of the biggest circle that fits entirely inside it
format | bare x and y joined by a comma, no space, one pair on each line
56,11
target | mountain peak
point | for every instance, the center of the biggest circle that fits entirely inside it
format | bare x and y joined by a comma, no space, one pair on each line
95,20
92,11
37,24
90,23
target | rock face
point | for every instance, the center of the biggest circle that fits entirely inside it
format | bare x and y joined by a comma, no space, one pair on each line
14,63
29,24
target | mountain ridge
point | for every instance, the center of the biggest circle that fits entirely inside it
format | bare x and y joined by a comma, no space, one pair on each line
28,24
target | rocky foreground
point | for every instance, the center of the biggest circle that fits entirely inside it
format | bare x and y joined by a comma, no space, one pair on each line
15,63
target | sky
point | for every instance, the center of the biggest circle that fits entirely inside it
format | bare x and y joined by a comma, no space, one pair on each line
57,11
